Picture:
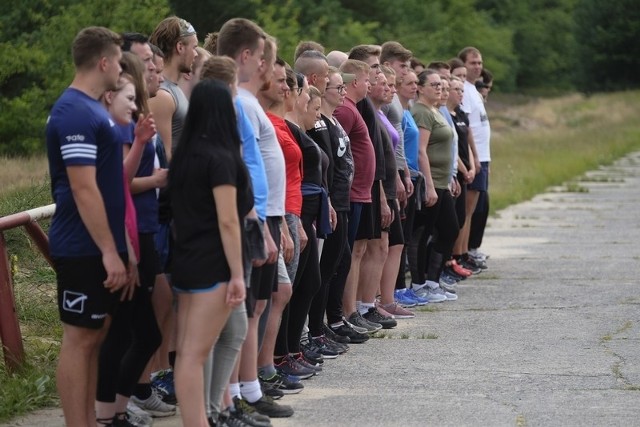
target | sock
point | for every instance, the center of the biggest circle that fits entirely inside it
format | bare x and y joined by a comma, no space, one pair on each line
417,286
364,307
250,390
432,285
358,305
142,391
234,390
267,371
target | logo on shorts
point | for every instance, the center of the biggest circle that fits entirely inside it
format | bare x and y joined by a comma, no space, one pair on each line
73,301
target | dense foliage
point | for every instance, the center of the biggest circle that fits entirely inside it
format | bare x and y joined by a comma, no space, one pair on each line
543,46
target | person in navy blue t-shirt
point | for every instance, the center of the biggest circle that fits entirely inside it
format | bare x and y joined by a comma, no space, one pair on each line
87,235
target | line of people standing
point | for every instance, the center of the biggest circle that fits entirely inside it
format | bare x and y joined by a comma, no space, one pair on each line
226,221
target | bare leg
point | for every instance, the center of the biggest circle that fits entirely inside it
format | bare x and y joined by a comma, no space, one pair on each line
162,299
200,319
371,268
77,373
390,274
279,300
462,242
351,285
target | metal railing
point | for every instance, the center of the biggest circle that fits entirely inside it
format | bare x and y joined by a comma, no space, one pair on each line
10,334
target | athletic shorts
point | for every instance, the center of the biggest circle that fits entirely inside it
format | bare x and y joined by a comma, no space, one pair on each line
264,279
481,181
371,216
82,298
396,236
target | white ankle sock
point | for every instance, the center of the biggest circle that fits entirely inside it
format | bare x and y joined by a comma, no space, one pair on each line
234,390
364,307
250,390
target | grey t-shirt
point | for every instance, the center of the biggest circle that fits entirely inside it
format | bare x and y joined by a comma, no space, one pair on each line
270,150
394,112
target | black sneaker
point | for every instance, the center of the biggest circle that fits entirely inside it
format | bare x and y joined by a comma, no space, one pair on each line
288,366
310,354
304,362
374,316
356,319
327,348
247,413
273,393
328,332
347,331
282,383
266,406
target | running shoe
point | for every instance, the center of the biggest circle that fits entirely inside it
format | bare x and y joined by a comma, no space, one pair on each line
266,406
419,299
346,330
328,332
398,311
402,299
137,416
248,414
428,293
282,383
374,316
154,405
459,270
288,366
448,282
163,382
356,319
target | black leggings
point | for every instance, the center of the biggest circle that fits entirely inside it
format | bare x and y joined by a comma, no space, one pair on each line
335,259
479,221
307,281
133,335
407,229
440,223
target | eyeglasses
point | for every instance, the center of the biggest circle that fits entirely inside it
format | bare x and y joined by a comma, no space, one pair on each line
339,88
435,85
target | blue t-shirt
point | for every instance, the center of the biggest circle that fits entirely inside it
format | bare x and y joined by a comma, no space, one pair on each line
253,161
80,132
411,140
146,202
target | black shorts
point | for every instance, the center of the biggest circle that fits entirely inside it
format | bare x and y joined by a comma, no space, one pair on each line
371,216
264,279
396,236
82,298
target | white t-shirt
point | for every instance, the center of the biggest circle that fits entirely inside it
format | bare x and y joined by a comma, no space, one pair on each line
269,149
473,105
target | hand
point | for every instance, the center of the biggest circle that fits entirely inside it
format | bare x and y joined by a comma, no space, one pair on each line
116,272
400,190
270,246
386,215
161,177
455,187
409,184
133,280
470,176
145,128
333,217
287,247
304,239
235,292
431,198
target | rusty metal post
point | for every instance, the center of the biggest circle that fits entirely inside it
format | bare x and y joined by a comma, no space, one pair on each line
40,239
9,327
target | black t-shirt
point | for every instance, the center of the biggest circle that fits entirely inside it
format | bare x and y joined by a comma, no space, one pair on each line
198,255
314,170
461,123
336,144
368,113
391,171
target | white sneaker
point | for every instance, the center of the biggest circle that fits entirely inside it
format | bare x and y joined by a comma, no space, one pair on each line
137,416
154,405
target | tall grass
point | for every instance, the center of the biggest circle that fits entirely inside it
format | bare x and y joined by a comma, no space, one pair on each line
540,144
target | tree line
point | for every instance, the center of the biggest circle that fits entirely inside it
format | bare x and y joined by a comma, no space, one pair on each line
535,46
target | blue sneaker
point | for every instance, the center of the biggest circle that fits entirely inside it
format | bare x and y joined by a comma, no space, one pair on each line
402,299
417,298
163,383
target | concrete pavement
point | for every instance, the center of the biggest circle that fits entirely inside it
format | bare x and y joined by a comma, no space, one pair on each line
547,336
